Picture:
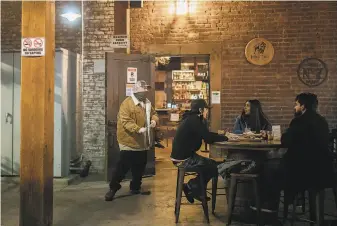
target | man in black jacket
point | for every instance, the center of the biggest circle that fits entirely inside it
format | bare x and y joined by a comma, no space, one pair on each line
307,164
187,141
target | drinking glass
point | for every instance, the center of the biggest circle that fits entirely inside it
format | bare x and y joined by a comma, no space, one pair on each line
247,130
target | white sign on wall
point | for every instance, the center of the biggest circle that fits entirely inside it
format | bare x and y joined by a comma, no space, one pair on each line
128,90
33,47
215,97
131,75
120,41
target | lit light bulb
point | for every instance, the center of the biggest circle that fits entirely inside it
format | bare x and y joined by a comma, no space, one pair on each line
71,16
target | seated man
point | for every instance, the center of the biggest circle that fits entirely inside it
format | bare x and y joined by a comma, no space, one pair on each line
187,142
307,164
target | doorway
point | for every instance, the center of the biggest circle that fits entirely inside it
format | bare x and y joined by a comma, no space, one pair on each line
122,71
178,80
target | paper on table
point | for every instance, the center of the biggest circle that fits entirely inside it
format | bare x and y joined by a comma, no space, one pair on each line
276,132
174,117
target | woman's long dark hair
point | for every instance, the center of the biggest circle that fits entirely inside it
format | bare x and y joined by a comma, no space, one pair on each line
257,120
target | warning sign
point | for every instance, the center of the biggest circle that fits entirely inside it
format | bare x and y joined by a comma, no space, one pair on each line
33,47
131,75
120,41
128,89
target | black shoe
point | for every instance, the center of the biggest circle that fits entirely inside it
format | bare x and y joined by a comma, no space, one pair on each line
135,192
110,195
188,194
200,199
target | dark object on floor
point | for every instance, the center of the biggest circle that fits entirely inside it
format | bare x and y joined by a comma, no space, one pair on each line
86,169
158,137
159,145
110,195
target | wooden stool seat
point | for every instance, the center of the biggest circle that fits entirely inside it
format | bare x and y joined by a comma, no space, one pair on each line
244,175
218,160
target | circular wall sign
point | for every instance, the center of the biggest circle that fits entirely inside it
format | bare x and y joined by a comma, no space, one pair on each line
259,51
312,72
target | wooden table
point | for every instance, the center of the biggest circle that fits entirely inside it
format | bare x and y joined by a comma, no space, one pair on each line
258,151
249,145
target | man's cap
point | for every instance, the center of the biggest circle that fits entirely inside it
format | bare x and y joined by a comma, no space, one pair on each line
198,103
141,86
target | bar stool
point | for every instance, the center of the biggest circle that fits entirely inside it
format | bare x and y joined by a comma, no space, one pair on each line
316,207
182,172
243,178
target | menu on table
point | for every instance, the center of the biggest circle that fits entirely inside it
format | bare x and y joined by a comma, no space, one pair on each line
276,132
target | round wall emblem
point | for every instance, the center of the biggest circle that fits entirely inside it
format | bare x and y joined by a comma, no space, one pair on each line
312,72
259,51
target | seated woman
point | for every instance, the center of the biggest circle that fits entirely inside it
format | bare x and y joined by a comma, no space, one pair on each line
187,141
252,117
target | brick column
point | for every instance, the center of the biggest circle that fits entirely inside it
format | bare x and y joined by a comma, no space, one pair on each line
98,31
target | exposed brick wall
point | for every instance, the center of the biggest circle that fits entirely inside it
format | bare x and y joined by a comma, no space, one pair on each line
10,25
98,23
296,30
67,34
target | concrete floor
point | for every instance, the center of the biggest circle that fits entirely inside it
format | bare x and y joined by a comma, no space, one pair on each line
82,204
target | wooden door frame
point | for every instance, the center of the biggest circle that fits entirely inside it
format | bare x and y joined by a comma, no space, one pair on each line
115,101
214,50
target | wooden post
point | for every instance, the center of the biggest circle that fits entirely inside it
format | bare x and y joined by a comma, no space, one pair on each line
37,117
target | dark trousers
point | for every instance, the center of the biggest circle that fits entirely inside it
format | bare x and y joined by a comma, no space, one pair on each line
273,181
134,160
209,167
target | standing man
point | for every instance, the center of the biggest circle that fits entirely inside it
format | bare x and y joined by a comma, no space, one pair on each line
135,122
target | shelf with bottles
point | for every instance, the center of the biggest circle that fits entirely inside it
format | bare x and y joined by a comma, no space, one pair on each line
189,86
190,95
202,74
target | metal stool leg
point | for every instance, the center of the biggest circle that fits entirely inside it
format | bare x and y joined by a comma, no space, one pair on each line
285,206
204,196
320,208
214,190
334,190
293,214
312,206
180,183
303,201
231,201
258,202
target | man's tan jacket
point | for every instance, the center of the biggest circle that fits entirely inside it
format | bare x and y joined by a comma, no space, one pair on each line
131,118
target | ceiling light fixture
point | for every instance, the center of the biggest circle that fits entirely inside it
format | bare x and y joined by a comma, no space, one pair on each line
71,16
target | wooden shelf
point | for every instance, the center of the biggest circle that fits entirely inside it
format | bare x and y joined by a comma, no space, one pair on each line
181,80
189,90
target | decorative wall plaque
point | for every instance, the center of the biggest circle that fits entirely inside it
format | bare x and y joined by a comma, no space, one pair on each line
259,51
312,72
